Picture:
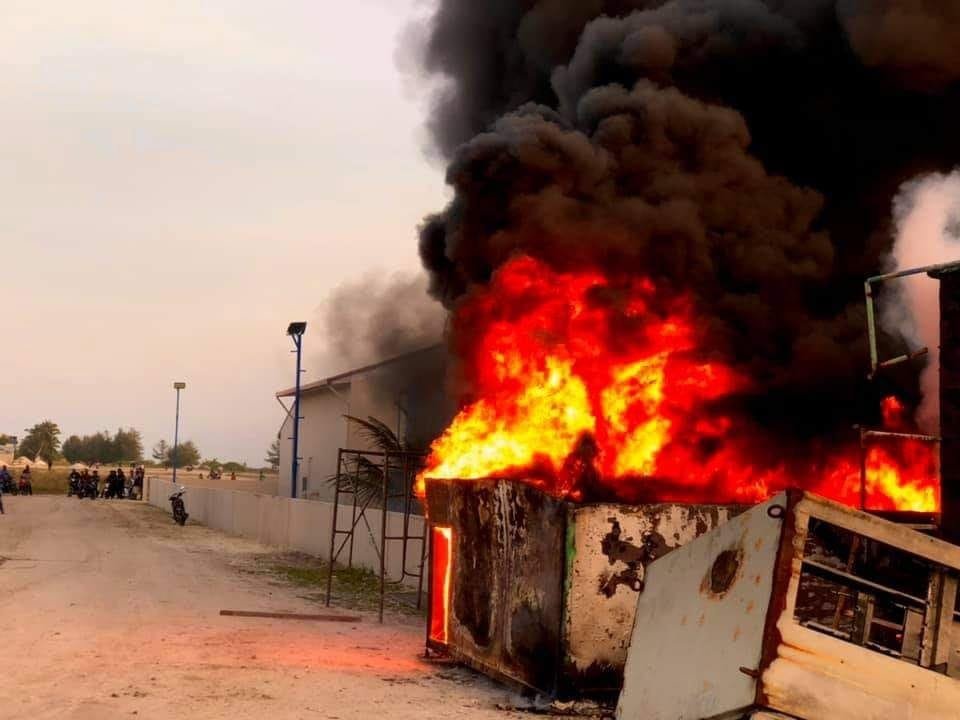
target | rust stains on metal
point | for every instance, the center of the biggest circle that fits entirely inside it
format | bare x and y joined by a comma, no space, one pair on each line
619,549
788,555
609,549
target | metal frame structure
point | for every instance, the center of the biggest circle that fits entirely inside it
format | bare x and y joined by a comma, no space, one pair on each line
875,363
398,473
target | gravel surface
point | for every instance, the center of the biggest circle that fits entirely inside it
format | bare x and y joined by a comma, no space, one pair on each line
109,610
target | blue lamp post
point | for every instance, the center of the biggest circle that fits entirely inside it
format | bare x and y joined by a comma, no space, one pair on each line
295,330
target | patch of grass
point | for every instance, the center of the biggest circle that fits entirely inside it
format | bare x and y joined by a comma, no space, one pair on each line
305,577
45,482
355,588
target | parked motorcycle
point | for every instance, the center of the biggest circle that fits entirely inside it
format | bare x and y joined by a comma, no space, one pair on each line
179,509
87,489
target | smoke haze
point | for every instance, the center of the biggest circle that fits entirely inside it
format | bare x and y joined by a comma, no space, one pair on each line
377,318
927,213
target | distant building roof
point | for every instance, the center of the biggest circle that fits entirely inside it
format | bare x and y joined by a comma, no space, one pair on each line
345,377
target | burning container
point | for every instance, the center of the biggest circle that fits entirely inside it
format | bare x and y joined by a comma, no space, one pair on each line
539,592
801,607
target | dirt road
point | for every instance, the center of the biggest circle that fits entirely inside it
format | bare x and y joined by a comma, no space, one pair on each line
108,610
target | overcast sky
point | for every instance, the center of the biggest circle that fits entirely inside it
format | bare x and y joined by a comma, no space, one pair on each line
178,180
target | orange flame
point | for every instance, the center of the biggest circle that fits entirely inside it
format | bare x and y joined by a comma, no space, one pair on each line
581,382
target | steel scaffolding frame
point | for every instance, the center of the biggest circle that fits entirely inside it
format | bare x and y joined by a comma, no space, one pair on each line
393,474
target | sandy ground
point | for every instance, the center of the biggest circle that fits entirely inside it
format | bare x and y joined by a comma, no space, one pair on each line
108,610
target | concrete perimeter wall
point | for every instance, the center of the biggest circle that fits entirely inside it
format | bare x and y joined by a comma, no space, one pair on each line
294,524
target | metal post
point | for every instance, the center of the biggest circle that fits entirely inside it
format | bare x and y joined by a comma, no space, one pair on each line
863,469
949,405
295,464
178,386
333,524
383,531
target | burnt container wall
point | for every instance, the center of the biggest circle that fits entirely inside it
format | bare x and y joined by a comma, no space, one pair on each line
507,577
608,549
950,404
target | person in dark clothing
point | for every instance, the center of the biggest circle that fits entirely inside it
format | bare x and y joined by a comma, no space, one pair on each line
25,486
110,489
138,483
6,480
121,489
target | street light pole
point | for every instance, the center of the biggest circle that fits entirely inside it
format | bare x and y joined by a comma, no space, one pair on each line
295,330
178,386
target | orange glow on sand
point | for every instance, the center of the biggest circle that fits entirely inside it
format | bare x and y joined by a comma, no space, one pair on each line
580,383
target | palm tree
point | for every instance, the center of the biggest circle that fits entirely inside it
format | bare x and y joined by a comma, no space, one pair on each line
367,473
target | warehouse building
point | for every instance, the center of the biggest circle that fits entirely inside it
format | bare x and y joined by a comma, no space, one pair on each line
407,393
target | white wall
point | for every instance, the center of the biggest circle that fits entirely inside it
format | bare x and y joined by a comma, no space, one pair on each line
323,431
368,398
292,524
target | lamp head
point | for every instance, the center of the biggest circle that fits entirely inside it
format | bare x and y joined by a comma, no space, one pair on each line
296,328
179,385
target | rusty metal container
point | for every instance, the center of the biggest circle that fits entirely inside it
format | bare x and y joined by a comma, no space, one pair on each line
798,608
539,592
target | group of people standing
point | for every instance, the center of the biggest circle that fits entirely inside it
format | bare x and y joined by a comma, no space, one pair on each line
117,484
22,487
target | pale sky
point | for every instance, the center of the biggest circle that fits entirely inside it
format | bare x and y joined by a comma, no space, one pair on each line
179,180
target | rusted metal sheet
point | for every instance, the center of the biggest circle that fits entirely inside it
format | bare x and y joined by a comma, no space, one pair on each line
698,635
608,547
543,593
851,619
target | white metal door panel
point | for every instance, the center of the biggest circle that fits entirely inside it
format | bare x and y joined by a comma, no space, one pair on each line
701,619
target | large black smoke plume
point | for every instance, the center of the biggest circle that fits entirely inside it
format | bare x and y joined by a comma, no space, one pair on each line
744,151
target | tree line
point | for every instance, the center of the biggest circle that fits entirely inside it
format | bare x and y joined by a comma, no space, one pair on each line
42,441
125,445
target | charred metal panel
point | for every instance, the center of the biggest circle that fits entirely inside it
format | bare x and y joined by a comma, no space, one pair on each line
507,577
950,404
608,548
781,635
543,593
696,645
